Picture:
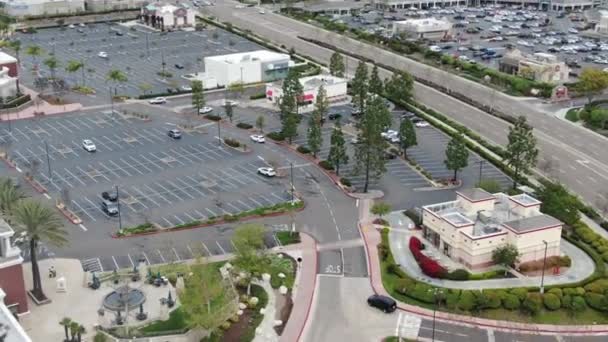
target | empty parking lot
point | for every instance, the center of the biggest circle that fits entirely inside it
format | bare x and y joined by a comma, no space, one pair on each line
139,53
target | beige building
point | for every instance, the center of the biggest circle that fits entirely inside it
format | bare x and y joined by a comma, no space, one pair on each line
541,67
428,28
469,228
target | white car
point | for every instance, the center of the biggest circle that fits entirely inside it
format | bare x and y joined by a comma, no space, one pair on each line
158,100
261,11
422,124
82,25
388,134
71,26
267,171
205,110
103,54
239,6
258,138
88,145
230,103
186,88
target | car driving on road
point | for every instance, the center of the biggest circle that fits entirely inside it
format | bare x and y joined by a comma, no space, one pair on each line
258,138
205,110
267,171
158,100
88,145
383,303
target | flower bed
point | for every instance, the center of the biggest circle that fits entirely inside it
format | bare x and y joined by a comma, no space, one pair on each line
142,228
429,266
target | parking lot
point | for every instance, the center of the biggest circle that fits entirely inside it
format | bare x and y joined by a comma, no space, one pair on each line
139,52
190,179
498,28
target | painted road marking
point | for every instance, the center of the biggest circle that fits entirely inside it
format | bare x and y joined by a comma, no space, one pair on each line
82,227
47,196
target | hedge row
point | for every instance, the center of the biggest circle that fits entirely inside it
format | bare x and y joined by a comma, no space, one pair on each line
429,266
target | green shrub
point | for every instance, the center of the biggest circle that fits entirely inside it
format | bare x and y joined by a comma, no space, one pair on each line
459,274
566,301
345,181
402,285
244,125
490,185
551,301
326,165
578,304
596,301
257,96
532,304
599,286
491,300
452,296
556,291
396,270
276,136
466,301
232,142
510,302
423,293
303,149
520,292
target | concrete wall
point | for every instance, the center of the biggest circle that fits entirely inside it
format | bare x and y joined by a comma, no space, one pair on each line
531,244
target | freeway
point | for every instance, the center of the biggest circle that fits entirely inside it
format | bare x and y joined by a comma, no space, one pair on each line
568,153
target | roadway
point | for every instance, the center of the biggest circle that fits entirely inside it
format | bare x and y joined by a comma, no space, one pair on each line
568,153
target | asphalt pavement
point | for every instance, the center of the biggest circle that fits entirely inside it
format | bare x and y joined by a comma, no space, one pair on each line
575,153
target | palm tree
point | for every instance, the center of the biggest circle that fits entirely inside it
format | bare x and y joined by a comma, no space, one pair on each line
65,323
74,326
9,196
40,223
115,76
34,51
81,330
74,66
52,63
16,45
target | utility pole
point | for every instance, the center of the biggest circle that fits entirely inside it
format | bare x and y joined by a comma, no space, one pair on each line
48,159
111,99
542,278
148,44
118,204
162,55
219,138
292,187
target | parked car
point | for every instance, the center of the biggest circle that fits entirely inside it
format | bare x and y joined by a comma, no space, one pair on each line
175,133
383,303
205,110
109,196
119,33
230,103
186,88
334,116
158,100
102,54
258,138
88,145
267,171
179,66
422,124
109,208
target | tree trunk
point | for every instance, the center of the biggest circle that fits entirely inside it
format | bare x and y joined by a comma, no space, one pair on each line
37,290
455,174
83,82
515,178
367,161
65,328
79,337
338,169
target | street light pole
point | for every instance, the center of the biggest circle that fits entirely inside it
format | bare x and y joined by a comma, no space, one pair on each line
118,204
291,176
219,138
111,100
542,278
434,313
48,159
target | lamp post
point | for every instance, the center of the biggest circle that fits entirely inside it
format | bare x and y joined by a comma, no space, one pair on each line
48,159
542,278
219,138
291,176
434,312
118,205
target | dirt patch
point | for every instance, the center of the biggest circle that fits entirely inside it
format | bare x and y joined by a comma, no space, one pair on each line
283,305
237,329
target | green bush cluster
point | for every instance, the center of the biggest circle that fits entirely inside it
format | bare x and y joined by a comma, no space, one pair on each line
326,165
345,181
244,125
594,116
232,142
142,228
303,149
276,136
257,96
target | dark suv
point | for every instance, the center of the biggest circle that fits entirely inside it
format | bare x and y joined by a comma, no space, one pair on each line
383,303
109,196
175,133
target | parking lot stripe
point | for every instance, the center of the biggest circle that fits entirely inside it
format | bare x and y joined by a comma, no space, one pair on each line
169,222
220,246
161,256
167,191
130,166
171,157
156,193
180,189
213,214
176,255
84,173
190,250
191,186
148,162
103,136
32,154
280,199
83,210
254,201
143,197
245,205
119,168
115,263
189,216
179,220
109,171
146,257
131,260
22,134
207,249
96,206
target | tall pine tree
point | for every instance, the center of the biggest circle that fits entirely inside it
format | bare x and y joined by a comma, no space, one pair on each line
521,152
288,105
359,86
456,154
399,87
370,149
315,136
336,65
375,83
337,151
407,136
198,97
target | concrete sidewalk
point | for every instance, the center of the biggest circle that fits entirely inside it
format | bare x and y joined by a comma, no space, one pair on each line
304,288
39,106
372,239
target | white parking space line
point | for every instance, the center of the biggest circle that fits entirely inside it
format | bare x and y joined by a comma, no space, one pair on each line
149,162
205,247
236,208
190,250
176,255
176,187
191,186
179,220
280,199
138,163
201,215
119,168
213,214
144,197
109,171
156,193
254,201
22,134
96,206
220,246
131,260
167,191
115,263
161,256
169,222
245,205
43,154
131,166
86,174
80,208
146,257
189,216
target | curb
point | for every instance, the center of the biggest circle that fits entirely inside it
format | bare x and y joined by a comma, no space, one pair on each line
37,186
204,225
314,286
538,328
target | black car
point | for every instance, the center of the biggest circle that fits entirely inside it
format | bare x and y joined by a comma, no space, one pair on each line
389,156
118,33
110,208
416,119
408,115
179,66
109,196
383,303
334,116
175,133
